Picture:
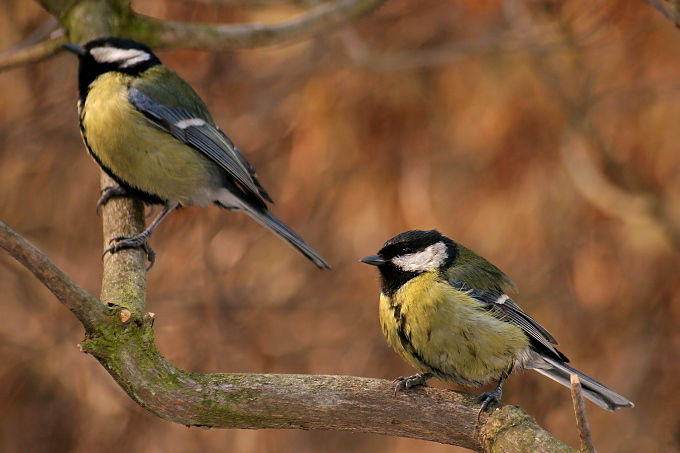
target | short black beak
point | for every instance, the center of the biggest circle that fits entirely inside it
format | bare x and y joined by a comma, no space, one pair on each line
75,48
374,260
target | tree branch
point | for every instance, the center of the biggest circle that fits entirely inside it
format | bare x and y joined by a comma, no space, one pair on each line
320,19
581,415
361,55
633,206
124,344
122,21
88,309
22,55
124,278
118,19
667,10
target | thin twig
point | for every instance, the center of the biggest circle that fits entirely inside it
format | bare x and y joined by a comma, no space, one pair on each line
634,209
20,55
667,11
88,309
360,55
581,415
317,20
630,205
42,32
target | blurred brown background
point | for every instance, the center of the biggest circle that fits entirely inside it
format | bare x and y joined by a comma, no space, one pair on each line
544,135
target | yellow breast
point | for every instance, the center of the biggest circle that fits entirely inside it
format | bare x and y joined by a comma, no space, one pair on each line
440,330
139,153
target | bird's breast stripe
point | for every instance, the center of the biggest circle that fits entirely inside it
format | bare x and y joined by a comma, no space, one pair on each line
405,339
142,195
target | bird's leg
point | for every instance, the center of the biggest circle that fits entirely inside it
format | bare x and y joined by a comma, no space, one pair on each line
109,192
405,383
487,397
141,240
116,191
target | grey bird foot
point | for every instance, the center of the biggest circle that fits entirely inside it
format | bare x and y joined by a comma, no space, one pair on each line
126,242
405,383
487,398
107,193
115,191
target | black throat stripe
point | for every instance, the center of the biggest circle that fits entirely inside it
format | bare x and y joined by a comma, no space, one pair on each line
405,339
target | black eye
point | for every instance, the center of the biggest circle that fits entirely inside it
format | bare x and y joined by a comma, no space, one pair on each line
406,250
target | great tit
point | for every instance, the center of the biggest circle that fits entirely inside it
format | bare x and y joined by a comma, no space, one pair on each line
150,131
444,309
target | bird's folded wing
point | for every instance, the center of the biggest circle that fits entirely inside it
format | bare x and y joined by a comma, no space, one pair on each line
505,308
202,136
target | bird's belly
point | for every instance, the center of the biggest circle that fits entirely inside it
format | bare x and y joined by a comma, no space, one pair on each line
142,155
450,338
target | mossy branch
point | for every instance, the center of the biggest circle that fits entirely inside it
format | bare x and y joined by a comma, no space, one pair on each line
123,342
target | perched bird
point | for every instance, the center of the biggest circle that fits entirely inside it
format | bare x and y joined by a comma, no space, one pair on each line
444,310
150,131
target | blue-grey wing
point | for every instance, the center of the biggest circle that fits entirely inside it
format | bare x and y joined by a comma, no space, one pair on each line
202,136
502,306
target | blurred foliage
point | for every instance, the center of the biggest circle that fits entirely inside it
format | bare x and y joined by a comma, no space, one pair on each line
463,116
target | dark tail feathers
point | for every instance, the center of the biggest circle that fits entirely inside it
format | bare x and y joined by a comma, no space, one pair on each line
603,396
277,227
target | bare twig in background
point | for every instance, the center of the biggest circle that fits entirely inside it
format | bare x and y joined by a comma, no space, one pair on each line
43,32
320,19
88,310
123,342
581,415
667,10
24,54
360,55
632,208
629,204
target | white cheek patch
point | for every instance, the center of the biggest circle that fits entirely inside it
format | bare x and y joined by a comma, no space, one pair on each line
126,57
133,61
195,122
430,258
